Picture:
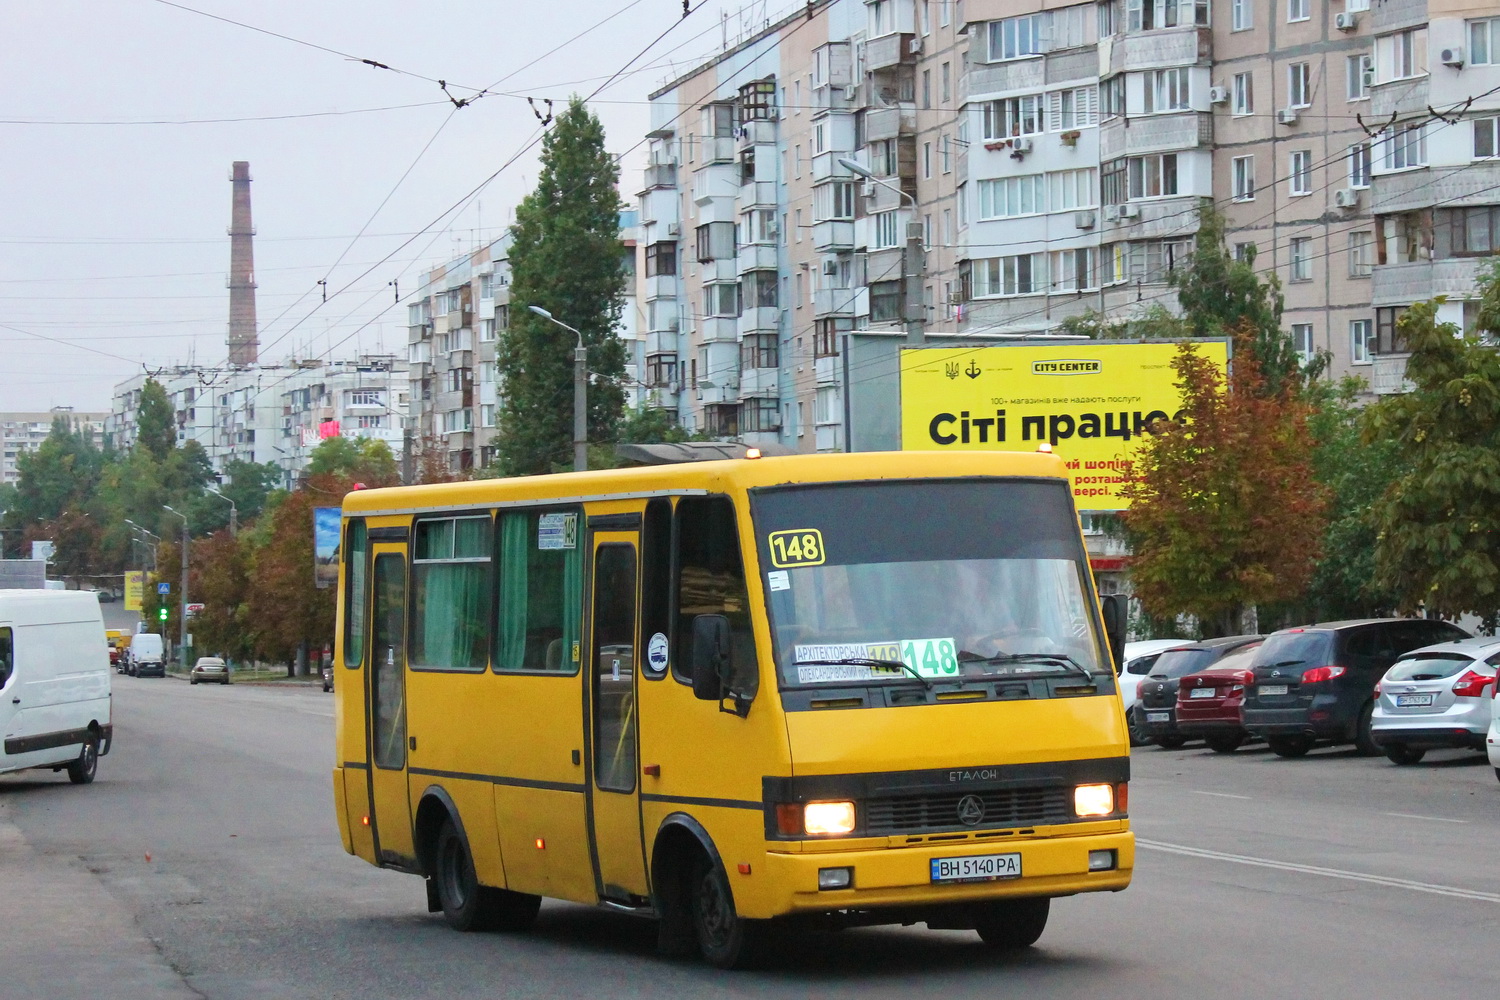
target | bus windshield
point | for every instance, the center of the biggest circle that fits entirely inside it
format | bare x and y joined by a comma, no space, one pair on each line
925,580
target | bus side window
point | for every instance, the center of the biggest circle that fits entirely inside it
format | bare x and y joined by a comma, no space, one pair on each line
540,604
710,580
656,585
356,593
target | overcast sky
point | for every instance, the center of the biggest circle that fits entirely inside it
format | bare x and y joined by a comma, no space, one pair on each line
112,236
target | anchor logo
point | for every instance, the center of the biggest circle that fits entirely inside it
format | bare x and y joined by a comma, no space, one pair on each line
973,371
952,369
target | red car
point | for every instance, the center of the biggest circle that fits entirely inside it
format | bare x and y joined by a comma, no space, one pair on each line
1211,702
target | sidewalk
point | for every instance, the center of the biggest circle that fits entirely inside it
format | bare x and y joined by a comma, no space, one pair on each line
68,937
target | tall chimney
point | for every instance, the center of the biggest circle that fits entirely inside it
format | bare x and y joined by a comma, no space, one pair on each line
244,341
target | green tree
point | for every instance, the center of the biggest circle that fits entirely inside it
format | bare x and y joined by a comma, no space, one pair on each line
62,472
362,460
290,613
1225,512
1438,522
156,425
566,258
220,580
651,425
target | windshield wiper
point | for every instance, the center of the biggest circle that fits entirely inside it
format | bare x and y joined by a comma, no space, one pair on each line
865,661
1062,659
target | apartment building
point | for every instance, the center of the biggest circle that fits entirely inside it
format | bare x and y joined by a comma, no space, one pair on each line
454,323
1435,179
24,432
273,414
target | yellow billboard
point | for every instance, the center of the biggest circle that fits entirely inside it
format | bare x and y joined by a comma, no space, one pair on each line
1090,400
135,586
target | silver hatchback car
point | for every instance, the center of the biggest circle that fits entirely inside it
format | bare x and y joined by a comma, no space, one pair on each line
209,668
1436,696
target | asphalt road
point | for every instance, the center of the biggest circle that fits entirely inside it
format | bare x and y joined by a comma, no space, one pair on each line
205,862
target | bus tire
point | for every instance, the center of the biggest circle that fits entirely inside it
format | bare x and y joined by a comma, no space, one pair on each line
459,891
1012,924
725,939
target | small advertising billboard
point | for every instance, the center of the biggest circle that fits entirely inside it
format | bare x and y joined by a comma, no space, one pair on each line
1090,400
135,589
326,546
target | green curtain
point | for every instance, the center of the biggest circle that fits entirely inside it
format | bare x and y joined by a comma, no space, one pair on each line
515,535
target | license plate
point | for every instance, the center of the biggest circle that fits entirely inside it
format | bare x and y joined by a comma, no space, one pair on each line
1273,689
976,868
1158,716
1202,692
1412,700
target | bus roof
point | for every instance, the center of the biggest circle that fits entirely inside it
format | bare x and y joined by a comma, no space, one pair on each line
735,474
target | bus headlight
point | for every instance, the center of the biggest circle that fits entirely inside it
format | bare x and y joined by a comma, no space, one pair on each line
825,818
1093,800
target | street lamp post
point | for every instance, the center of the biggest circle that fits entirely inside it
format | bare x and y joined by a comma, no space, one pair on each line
234,512
580,393
913,259
182,618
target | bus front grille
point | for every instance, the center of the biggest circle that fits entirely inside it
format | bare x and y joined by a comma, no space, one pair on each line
903,814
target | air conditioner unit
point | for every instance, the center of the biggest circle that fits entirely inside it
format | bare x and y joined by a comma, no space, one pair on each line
1345,21
1083,220
1288,116
773,229
1218,95
1130,211
830,266
1111,213
1346,198
1452,57
914,45
1021,145
851,92
674,229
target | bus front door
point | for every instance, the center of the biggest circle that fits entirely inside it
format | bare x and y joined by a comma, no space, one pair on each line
385,710
619,861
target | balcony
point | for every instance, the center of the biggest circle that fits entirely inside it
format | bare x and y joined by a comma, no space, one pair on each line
830,437
661,341
719,180
756,257
718,149
1161,49
1476,183
1402,98
889,50
825,370
758,131
888,123
1155,133
834,302
1403,284
760,319
757,194
661,286
710,391
659,176
1004,77
758,381
1388,375
840,97
825,167
833,235
661,206
719,330
1167,217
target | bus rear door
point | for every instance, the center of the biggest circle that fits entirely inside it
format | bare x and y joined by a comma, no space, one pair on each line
385,710
616,816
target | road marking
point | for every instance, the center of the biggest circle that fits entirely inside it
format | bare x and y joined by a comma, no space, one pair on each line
1287,866
1430,819
1220,795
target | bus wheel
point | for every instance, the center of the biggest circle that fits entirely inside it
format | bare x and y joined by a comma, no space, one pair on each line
458,887
82,770
1013,923
726,939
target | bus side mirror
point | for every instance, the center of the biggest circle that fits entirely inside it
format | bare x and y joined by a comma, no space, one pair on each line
1113,607
710,656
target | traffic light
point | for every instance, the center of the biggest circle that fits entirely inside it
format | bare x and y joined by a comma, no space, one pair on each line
161,613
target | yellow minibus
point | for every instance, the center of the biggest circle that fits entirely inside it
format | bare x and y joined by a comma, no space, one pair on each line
842,689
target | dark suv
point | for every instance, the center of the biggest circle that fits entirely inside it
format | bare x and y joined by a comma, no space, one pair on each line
1318,682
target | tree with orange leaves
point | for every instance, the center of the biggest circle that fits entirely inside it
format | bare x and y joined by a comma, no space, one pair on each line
1225,510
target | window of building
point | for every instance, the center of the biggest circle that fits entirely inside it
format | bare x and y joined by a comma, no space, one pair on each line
661,259
1354,5
1146,15
826,334
1302,340
1241,16
1401,54
1167,90
1361,253
721,300
882,14
1244,94
1074,108
366,397
1469,232
1301,258
1152,176
1406,147
1016,37
884,157
714,241
1152,261
1299,182
946,78
661,370
759,350
758,226
962,197
1112,182
1388,338
1112,96
833,201
886,230
1012,116
758,100
760,416
1358,71
1023,274
1299,85
1361,333
827,405
927,160
947,226
926,89
1012,196
1245,252
1297,10
1243,168
945,13
1075,270
945,153
1359,165
1484,42
1486,138
1072,189
885,301
450,571
759,290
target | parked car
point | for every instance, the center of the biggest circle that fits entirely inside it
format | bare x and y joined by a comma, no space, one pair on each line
327,677
1211,702
1139,656
1318,682
1435,697
1156,698
1492,740
209,668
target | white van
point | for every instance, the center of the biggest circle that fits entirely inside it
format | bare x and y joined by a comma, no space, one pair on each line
54,682
146,655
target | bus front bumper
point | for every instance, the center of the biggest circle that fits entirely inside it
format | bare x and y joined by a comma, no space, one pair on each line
902,878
